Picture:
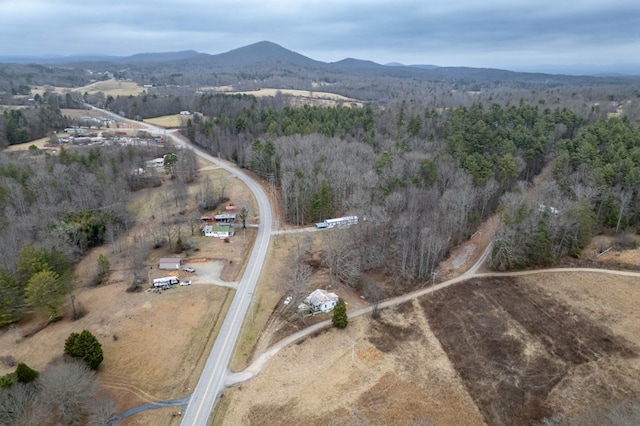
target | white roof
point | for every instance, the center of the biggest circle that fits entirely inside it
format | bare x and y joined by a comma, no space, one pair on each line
319,296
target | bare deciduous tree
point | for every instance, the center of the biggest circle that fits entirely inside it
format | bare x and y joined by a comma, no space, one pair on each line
374,294
300,272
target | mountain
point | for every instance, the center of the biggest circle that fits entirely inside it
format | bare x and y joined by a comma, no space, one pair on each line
261,52
350,64
398,64
56,59
160,57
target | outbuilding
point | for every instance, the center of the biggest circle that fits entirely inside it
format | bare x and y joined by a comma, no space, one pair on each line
170,263
225,217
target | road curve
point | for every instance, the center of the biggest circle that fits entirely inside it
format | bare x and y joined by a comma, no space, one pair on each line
211,382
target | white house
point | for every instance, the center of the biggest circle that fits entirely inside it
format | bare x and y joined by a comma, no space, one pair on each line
219,231
169,263
321,300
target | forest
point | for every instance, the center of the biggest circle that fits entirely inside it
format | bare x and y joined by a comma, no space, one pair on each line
54,208
422,168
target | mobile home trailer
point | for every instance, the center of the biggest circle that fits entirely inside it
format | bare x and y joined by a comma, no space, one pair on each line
341,221
165,281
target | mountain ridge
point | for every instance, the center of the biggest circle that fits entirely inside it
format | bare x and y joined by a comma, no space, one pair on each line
266,52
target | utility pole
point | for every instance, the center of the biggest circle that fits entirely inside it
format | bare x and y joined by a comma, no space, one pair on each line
353,351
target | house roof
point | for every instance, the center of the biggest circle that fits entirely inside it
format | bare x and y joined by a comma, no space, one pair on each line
225,216
170,260
223,227
320,296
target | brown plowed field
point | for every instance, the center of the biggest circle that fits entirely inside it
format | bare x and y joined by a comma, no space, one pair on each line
513,344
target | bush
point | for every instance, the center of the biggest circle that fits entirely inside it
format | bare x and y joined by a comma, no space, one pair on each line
26,374
84,345
6,381
340,318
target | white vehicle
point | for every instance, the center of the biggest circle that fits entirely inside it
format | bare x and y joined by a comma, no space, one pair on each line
189,269
187,282
165,281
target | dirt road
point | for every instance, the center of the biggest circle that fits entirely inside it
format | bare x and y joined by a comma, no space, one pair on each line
260,362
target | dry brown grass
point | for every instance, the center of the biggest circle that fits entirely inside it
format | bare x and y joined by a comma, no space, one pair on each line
113,87
168,121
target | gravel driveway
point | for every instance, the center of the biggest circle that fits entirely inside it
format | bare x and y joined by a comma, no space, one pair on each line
207,273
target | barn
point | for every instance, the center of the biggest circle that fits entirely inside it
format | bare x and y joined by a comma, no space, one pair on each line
169,263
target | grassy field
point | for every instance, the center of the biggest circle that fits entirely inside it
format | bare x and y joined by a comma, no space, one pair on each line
168,121
310,97
108,87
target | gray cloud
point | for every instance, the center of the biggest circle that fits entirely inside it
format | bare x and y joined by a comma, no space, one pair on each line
467,32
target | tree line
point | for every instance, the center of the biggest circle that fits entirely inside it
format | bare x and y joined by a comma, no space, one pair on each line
37,118
595,189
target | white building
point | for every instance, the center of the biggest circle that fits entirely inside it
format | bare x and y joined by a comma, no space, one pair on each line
219,231
321,300
339,222
169,263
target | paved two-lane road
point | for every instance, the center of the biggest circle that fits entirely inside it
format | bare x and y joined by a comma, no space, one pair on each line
211,383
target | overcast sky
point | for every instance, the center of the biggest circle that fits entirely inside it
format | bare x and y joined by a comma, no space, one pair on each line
480,33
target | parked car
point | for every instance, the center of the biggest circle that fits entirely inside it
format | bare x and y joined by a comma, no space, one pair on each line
187,282
188,269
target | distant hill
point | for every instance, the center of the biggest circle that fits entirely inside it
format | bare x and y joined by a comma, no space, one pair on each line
160,57
398,64
262,56
261,52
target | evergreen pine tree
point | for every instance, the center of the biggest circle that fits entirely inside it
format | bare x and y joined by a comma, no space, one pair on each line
340,318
